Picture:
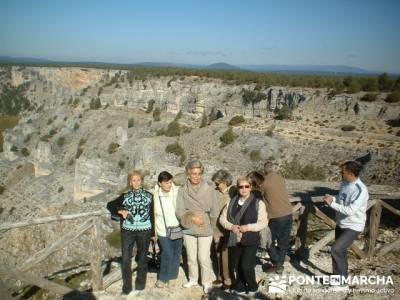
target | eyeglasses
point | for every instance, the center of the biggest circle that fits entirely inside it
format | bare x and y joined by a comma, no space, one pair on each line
243,187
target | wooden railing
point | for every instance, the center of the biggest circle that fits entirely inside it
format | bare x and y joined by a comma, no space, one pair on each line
301,209
21,272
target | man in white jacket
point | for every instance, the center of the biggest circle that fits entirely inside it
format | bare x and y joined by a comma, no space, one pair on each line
350,206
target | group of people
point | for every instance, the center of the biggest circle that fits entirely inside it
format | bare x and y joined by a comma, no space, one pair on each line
222,227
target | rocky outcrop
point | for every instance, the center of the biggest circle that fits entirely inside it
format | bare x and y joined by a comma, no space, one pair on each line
280,96
95,176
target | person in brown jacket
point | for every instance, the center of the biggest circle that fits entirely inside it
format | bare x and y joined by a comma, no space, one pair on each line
279,211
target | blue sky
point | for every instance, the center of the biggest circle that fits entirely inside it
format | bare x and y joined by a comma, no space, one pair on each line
359,33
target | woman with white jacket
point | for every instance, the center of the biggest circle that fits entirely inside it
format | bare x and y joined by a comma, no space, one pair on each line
165,193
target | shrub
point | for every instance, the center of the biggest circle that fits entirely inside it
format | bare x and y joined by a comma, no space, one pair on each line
370,97
348,128
393,97
255,155
14,148
113,147
157,114
178,115
2,189
131,123
95,103
121,164
82,142
150,106
25,152
283,113
294,170
173,129
60,189
236,120
79,152
228,137
177,150
61,141
76,126
269,132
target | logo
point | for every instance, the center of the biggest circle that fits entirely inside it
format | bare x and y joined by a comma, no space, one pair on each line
277,284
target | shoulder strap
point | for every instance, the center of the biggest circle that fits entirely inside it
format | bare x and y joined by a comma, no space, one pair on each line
162,210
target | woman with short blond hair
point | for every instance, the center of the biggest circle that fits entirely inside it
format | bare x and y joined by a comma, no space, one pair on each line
197,210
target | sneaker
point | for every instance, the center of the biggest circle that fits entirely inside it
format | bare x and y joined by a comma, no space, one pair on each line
237,292
160,284
189,284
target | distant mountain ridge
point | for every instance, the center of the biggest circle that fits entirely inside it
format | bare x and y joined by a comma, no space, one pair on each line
289,69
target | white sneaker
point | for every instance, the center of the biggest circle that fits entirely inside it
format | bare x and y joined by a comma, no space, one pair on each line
189,284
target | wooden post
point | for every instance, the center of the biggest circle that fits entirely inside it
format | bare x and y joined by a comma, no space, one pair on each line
374,221
322,242
95,264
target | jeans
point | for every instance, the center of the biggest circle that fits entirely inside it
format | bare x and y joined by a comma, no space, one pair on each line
343,240
280,235
242,264
170,258
128,240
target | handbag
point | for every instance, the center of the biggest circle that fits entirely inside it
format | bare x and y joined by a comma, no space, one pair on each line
173,232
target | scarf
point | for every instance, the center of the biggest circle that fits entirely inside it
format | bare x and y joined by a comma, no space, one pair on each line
234,237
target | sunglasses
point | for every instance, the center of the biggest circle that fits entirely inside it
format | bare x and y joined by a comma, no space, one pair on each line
243,187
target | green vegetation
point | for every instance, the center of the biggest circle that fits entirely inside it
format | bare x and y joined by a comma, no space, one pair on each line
293,170
173,129
252,97
121,164
393,97
25,152
131,123
61,141
228,137
178,116
113,147
13,101
157,114
150,106
370,97
95,103
2,189
255,155
177,150
236,120
76,126
6,122
348,127
283,113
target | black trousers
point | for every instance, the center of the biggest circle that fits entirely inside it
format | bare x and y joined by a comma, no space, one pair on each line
242,264
343,240
128,240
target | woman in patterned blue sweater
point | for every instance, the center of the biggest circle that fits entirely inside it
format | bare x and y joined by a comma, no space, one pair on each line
135,211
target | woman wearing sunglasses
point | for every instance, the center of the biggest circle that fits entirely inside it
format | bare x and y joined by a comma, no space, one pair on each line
244,217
